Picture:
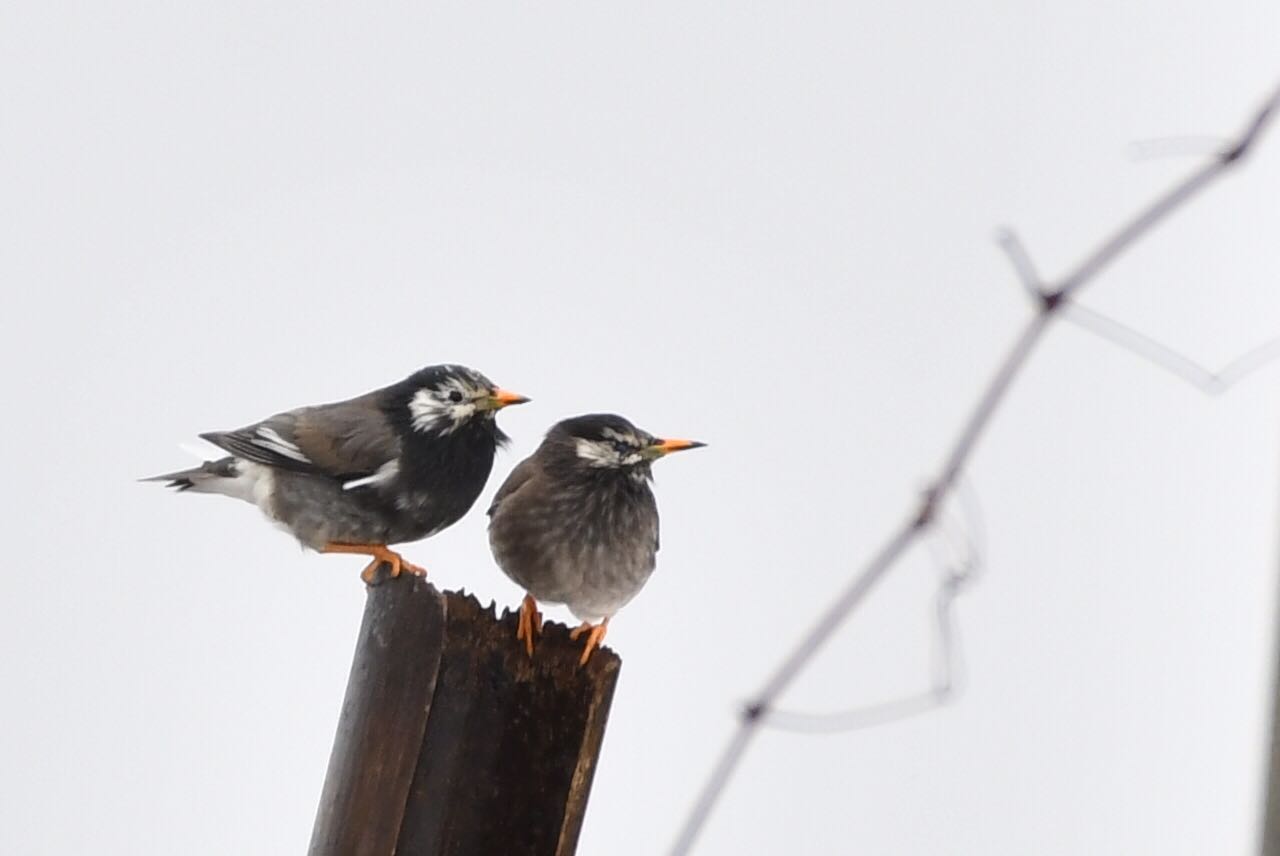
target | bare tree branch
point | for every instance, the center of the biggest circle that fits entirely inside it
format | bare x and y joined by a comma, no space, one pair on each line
1051,300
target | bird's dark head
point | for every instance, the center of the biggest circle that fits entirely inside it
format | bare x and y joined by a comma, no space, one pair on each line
441,400
608,443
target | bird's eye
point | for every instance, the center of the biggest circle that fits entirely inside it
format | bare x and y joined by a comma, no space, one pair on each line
455,396
622,448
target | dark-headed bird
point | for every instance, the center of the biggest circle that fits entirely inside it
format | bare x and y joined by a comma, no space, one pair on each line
576,522
394,465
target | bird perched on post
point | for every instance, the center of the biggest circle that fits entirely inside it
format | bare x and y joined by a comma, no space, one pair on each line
576,522
396,464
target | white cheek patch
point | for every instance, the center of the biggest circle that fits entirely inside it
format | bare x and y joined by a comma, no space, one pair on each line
430,410
596,454
269,439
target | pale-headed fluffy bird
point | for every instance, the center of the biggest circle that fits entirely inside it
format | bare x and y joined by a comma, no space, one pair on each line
576,522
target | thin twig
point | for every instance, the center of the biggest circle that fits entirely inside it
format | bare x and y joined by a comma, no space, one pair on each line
868,716
958,573
1023,266
1197,145
1175,362
945,686
911,528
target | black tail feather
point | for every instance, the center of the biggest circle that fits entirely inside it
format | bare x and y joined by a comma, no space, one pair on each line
185,479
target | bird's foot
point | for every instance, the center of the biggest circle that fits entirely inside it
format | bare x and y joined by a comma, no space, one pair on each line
595,635
397,562
381,555
529,624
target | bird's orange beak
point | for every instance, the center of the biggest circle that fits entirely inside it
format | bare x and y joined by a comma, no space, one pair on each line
666,447
501,398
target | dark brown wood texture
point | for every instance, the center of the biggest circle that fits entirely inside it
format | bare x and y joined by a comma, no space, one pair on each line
452,741
1270,843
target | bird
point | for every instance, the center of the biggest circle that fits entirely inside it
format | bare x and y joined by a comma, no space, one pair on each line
396,464
576,523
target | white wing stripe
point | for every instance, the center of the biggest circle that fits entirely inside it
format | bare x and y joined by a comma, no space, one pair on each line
273,442
386,472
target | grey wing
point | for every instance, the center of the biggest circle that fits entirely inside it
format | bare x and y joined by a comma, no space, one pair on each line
520,476
347,440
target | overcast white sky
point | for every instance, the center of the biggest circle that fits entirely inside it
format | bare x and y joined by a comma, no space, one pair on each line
768,227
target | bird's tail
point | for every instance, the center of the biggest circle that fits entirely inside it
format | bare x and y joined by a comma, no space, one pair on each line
202,479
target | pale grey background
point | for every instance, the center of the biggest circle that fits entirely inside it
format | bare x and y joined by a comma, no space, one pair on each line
767,226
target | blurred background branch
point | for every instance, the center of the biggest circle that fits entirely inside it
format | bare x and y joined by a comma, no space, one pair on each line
1051,299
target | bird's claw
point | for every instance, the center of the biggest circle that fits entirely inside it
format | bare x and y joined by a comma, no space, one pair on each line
382,555
395,561
410,568
529,624
595,635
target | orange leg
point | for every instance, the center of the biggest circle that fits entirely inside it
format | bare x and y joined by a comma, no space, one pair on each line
594,637
530,622
380,554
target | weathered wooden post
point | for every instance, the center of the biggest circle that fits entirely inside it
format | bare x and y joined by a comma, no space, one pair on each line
1270,843
452,741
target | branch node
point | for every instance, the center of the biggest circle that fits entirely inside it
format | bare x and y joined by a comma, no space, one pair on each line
1237,151
1050,301
928,509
